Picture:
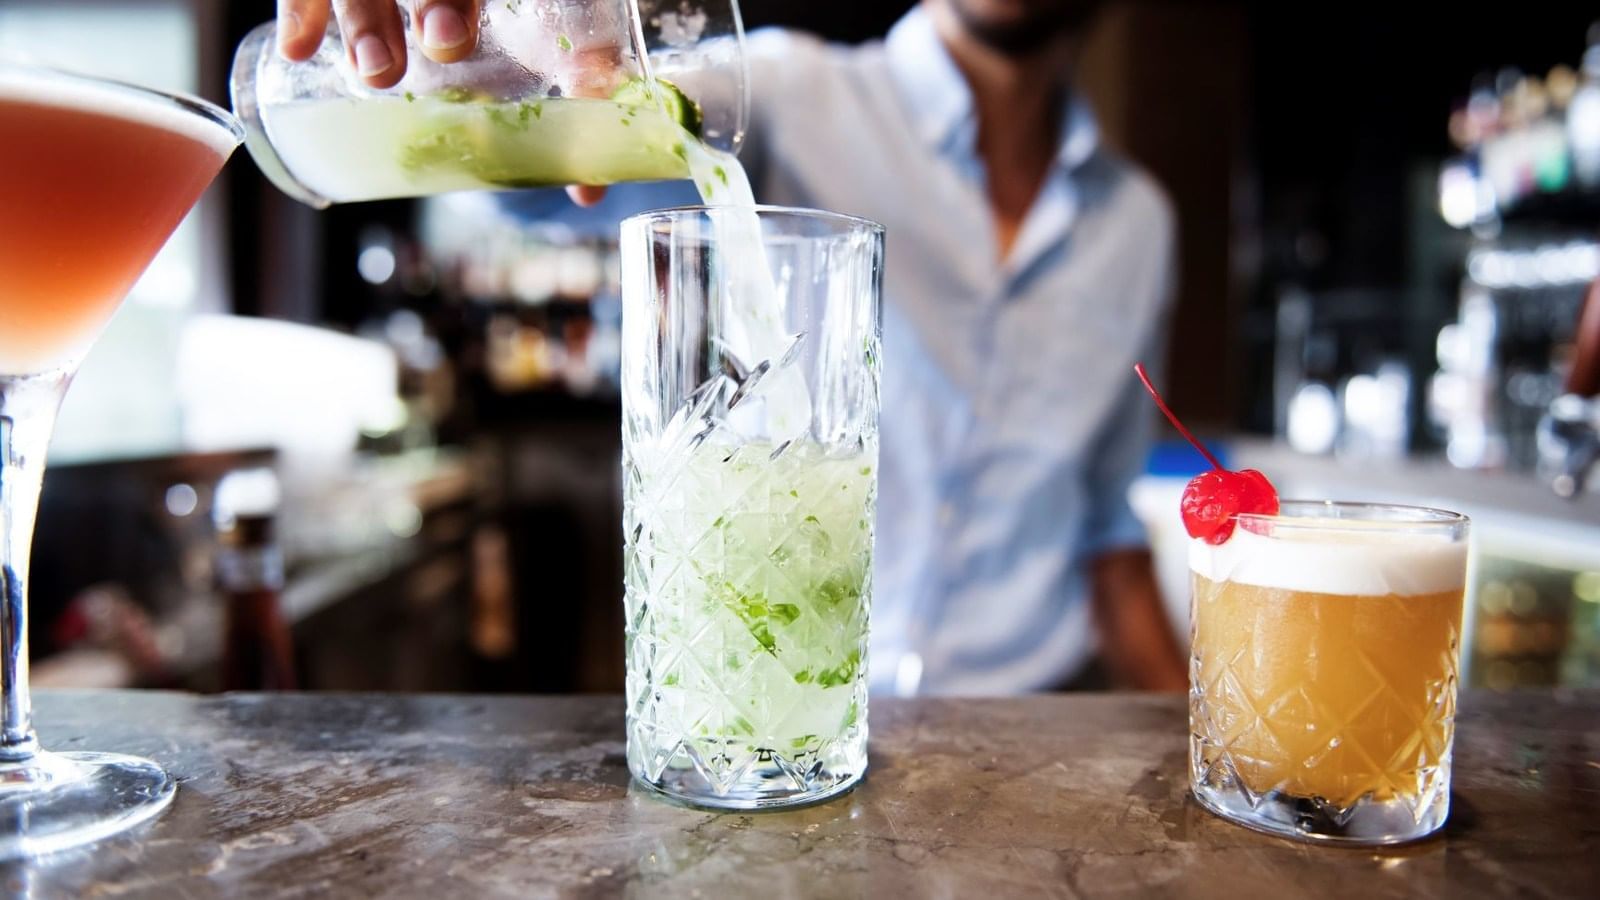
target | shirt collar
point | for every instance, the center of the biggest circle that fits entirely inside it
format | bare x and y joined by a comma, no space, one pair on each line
941,103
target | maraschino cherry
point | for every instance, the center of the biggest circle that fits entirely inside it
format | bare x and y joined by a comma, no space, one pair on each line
1212,499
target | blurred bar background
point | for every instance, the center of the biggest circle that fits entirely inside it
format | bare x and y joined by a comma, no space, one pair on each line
1389,225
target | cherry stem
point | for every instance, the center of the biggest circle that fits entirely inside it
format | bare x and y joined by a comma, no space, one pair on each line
1138,369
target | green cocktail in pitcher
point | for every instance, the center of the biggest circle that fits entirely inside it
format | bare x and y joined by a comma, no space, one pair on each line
555,93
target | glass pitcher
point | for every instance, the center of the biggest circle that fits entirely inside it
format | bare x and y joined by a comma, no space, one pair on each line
557,92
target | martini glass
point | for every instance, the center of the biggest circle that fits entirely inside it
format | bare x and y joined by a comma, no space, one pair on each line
94,177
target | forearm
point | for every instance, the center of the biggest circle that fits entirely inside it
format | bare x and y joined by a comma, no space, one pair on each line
1137,643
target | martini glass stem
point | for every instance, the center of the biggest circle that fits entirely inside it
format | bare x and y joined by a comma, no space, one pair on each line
28,405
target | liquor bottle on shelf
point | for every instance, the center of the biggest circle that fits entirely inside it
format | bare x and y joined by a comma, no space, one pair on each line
1583,117
1547,134
258,652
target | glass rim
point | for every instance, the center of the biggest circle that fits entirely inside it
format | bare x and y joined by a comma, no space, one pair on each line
1354,515
188,103
764,210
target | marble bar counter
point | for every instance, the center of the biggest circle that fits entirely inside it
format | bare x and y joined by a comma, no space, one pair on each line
1049,796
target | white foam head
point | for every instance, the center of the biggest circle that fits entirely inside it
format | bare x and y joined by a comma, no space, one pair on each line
46,88
1371,559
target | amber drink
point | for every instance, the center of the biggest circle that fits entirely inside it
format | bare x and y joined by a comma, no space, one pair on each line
1323,670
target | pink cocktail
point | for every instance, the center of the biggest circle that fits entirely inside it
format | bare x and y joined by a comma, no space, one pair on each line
93,181
94,177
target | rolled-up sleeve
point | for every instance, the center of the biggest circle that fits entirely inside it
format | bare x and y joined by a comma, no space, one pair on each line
1119,459
1121,451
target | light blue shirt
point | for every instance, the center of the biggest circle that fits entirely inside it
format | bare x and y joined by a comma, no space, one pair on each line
1012,425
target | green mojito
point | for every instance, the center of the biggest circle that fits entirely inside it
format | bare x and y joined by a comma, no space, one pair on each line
751,340
748,578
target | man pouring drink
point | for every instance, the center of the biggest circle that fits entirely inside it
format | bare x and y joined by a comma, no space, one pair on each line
1030,268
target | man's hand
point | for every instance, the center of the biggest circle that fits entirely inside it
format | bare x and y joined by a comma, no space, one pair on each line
374,39
1136,640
